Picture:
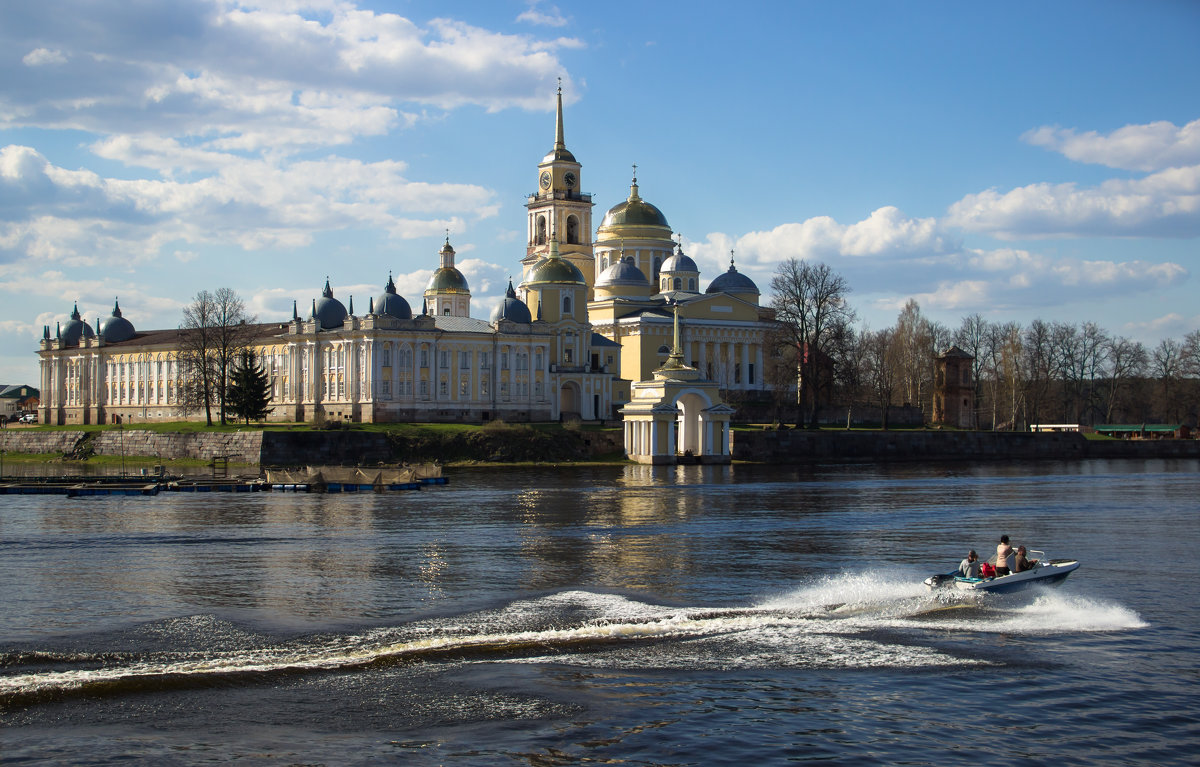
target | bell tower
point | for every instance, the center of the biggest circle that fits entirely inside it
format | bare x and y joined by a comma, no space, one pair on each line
559,210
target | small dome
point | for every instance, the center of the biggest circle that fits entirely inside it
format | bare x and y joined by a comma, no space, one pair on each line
392,303
732,281
116,328
679,262
328,310
622,272
448,279
511,308
554,268
634,212
76,329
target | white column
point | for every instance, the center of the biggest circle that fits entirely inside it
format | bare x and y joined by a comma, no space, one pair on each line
745,366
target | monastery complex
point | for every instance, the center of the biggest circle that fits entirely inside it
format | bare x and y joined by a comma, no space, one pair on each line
611,326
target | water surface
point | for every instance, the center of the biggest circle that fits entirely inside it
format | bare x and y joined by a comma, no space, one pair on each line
635,615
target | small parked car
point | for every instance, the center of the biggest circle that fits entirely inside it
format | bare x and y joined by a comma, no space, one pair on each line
29,418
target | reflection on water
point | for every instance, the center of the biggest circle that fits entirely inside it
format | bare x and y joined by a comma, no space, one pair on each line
515,616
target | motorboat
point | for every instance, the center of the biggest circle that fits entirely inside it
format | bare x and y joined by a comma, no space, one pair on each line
1047,572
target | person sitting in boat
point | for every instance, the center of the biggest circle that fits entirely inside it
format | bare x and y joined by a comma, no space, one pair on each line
971,566
1023,563
1003,552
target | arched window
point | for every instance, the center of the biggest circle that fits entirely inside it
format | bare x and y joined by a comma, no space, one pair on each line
566,305
692,285
541,230
572,230
678,283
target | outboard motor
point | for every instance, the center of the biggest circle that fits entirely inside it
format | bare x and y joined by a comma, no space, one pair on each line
939,580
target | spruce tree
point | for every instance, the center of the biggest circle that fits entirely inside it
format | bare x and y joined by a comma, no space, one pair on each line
249,392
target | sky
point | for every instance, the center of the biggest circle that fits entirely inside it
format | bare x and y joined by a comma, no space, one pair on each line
1019,160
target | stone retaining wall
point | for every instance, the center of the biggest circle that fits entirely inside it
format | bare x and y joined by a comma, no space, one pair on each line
33,441
803,446
326,448
278,448
241,447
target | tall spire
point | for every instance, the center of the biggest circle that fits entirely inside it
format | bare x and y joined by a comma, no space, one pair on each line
559,142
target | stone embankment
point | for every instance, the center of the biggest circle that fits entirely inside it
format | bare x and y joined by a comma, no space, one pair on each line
299,448
516,444
802,446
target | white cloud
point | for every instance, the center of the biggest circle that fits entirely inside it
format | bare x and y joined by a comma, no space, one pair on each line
1151,147
39,57
887,232
981,280
1163,204
79,217
549,17
236,72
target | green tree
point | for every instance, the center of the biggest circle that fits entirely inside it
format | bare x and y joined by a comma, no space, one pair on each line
249,392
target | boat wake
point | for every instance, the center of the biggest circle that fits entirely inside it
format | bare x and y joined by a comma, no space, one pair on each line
864,620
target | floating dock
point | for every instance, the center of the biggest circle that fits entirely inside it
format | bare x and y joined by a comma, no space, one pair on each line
138,485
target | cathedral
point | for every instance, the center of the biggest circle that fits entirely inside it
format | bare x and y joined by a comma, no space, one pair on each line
594,320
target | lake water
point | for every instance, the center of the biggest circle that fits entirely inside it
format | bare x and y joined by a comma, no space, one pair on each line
736,615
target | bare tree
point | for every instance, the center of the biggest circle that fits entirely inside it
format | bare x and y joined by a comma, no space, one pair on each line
1126,360
810,303
972,337
1166,366
1040,366
215,331
880,354
916,342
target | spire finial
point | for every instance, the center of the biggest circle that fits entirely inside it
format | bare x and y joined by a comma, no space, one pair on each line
633,187
731,258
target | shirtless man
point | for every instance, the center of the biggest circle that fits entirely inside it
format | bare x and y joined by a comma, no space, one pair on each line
1003,552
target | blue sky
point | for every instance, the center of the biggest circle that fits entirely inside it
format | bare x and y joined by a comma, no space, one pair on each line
1018,159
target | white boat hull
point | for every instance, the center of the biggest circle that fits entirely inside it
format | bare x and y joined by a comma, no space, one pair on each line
1049,573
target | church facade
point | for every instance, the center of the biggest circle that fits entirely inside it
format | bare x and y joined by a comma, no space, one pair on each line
589,319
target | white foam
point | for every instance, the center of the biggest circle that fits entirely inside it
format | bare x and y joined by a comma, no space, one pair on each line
850,590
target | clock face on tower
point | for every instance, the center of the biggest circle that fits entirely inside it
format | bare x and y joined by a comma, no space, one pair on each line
545,179
569,178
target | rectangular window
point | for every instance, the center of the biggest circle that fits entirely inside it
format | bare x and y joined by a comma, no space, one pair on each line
425,358
463,385
504,360
483,387
444,388
425,389
387,389
737,372
537,359
750,373
464,360
568,356
485,362
444,360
